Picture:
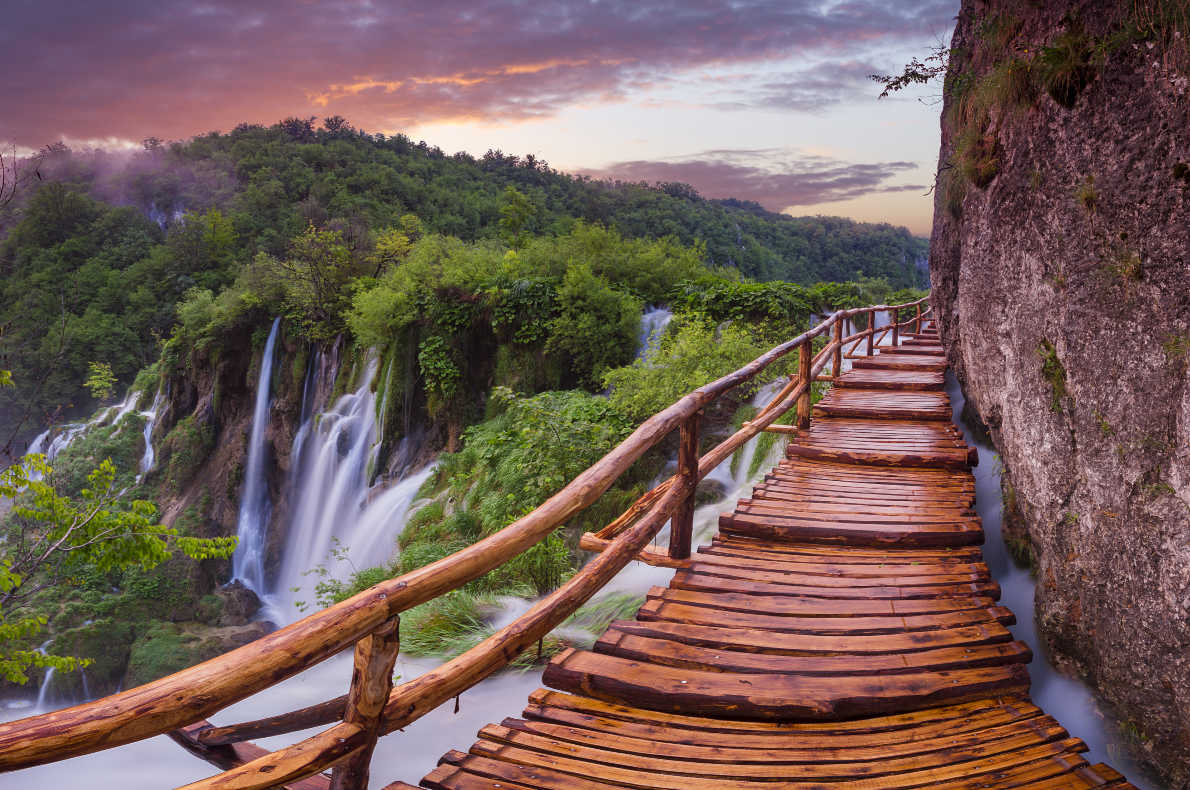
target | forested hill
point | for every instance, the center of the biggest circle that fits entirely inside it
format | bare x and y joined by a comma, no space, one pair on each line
99,249
273,181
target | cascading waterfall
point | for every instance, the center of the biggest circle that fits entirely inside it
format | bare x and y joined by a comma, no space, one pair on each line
149,456
253,521
337,521
652,329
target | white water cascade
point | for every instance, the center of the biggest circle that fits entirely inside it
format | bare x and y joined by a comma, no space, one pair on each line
338,522
652,329
253,521
149,456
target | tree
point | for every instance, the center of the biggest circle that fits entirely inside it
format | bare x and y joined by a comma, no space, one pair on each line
50,539
100,380
517,217
13,176
316,273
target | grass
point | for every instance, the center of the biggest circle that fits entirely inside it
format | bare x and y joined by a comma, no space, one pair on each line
1067,66
1176,347
1053,371
1086,195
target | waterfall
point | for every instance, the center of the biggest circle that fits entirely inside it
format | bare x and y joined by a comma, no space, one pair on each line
337,521
248,561
149,457
120,409
652,329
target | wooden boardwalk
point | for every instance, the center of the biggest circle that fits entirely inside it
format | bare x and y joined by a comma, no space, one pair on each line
841,630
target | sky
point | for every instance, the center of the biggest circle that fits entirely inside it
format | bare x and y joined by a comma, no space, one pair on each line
764,100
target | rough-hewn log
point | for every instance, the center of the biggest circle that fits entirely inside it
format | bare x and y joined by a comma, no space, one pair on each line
681,529
371,683
302,719
803,374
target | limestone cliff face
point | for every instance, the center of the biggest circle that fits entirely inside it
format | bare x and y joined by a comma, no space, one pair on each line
1060,265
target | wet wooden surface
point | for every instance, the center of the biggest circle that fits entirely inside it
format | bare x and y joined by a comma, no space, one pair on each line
840,630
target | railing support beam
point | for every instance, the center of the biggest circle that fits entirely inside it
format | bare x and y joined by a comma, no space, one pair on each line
917,320
871,332
681,526
803,374
896,333
837,339
371,683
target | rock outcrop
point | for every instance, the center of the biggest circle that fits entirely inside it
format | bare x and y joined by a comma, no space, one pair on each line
1060,266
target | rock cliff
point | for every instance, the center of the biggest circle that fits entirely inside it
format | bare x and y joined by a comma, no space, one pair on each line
1059,266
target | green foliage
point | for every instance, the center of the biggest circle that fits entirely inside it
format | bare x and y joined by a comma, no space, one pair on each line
1054,372
596,325
1086,195
316,275
101,382
1176,347
693,355
184,450
1067,66
977,153
51,538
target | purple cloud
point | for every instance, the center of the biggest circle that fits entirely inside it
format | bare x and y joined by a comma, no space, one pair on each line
173,69
771,177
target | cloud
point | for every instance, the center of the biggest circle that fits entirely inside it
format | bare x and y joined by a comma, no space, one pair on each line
775,178
171,68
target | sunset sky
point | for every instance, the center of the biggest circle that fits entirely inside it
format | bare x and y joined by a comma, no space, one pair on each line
766,100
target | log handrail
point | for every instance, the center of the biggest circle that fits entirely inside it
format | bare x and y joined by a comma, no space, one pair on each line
191,695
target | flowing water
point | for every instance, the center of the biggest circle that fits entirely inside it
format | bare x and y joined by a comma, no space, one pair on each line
255,507
339,522
1066,699
148,456
652,328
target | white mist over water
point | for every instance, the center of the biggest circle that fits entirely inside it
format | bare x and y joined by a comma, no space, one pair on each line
1066,699
248,561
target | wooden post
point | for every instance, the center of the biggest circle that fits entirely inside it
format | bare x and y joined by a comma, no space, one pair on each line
837,362
681,525
871,332
803,373
896,330
917,321
371,683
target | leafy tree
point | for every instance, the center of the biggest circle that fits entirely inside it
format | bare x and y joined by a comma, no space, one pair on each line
316,274
596,325
517,217
100,380
51,538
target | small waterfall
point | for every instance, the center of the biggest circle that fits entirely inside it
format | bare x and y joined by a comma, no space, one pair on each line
652,329
120,410
44,692
248,561
337,521
149,456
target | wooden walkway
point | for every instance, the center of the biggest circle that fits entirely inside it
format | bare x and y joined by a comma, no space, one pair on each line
841,630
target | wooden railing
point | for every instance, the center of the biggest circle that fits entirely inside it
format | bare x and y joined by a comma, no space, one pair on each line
368,622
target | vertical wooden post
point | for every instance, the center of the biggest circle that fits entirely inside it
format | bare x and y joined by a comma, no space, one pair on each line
917,321
371,683
681,525
896,330
871,331
837,339
803,374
